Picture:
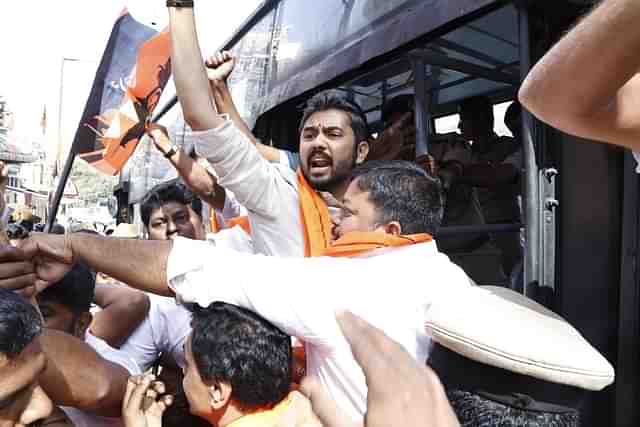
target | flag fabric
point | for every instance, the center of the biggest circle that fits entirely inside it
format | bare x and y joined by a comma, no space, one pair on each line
134,70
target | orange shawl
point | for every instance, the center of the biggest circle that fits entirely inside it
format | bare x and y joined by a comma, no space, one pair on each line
360,242
316,223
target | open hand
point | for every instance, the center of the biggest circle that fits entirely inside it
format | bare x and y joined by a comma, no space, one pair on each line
144,404
219,66
391,142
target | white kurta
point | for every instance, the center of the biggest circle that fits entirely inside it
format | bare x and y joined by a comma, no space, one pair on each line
302,295
268,191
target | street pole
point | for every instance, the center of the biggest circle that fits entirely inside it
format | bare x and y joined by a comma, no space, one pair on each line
57,198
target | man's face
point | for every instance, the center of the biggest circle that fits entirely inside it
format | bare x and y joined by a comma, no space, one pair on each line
174,219
61,318
195,389
328,149
358,212
22,401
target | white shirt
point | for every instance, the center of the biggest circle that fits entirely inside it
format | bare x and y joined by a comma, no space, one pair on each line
269,191
301,296
86,419
168,324
164,330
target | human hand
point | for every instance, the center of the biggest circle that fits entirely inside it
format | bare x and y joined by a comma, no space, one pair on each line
143,404
391,142
160,137
400,390
220,66
17,270
51,258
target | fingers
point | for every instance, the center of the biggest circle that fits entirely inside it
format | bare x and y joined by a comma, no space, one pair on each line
131,386
157,408
157,132
219,58
323,405
25,283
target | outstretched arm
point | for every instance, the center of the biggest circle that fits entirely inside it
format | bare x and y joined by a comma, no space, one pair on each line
189,74
588,85
123,310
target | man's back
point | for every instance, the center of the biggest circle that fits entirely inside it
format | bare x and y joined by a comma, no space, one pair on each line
384,288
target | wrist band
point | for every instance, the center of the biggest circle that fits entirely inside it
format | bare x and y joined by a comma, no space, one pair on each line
180,3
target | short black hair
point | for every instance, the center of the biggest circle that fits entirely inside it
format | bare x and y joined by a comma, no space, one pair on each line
402,191
397,105
338,100
237,346
75,290
479,106
167,192
20,323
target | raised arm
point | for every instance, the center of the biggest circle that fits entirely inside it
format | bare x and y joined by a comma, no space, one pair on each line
77,376
189,74
123,310
193,173
219,67
588,85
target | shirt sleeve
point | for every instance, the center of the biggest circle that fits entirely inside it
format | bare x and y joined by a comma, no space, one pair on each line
257,184
270,286
232,208
290,159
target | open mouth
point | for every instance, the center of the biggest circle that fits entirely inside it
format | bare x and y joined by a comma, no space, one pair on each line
319,162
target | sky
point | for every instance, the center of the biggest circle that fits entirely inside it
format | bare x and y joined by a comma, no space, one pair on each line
36,35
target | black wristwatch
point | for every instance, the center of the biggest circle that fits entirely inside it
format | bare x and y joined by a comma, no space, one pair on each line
173,150
180,3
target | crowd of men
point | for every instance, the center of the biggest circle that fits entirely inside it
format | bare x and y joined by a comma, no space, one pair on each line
303,306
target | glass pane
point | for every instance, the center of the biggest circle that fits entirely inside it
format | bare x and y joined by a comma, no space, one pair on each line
249,82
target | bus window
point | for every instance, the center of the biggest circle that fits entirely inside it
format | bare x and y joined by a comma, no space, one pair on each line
480,59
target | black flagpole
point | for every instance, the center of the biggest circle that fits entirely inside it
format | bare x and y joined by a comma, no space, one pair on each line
68,165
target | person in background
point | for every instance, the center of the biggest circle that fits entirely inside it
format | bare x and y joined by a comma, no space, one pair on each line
22,361
494,171
65,307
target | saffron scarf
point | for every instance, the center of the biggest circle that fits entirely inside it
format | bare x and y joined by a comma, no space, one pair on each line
316,223
265,418
360,242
